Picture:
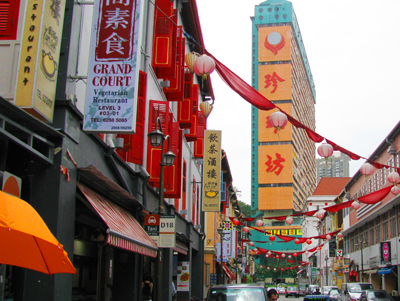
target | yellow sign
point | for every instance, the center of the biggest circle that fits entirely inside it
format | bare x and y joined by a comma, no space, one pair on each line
283,232
212,171
274,43
40,52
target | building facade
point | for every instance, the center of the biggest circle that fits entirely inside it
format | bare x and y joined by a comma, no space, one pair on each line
283,161
336,165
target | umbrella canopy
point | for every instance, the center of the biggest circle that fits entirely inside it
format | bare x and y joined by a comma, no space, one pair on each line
26,241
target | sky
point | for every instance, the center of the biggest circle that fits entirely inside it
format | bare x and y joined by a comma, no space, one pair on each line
353,48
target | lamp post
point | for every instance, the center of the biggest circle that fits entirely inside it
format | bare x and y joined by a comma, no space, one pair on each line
361,244
326,269
221,233
158,138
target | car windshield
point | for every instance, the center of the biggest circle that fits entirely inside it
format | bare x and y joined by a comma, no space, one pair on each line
334,292
380,294
237,294
359,287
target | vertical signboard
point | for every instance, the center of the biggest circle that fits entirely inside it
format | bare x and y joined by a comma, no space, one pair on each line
212,170
152,226
183,276
386,256
112,87
167,231
40,52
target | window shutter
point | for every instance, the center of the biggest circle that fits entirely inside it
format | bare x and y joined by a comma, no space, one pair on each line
134,143
194,198
199,143
194,115
185,106
157,109
163,34
173,174
8,19
184,186
176,89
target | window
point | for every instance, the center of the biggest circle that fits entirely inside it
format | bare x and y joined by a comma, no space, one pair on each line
372,232
366,238
385,226
9,10
378,230
393,222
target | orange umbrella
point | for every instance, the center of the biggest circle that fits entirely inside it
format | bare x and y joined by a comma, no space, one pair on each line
26,241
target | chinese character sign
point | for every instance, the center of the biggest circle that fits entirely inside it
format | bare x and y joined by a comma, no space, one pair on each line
212,170
112,87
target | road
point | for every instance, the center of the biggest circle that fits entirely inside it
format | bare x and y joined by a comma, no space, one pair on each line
283,298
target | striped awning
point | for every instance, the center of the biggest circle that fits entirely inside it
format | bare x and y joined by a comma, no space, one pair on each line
228,271
181,248
124,231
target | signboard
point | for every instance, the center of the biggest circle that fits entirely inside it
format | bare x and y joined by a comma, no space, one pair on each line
314,273
183,276
11,183
167,231
212,171
270,232
339,254
385,252
40,52
112,86
213,278
152,226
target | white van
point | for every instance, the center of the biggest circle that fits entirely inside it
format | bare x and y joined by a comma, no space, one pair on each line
352,291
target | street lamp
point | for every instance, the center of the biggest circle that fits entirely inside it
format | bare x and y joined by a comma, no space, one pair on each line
326,269
158,138
361,244
221,233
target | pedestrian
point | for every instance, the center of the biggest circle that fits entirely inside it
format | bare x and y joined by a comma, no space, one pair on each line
272,295
173,291
147,287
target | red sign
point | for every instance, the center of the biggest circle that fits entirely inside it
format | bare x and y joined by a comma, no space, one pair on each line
152,220
275,165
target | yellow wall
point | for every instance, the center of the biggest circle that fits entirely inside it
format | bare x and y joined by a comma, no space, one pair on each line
275,81
275,198
270,153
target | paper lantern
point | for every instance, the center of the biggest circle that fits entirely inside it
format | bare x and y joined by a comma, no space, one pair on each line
278,120
355,205
274,269
395,190
277,256
367,169
340,235
393,178
190,59
307,252
203,66
295,254
320,214
289,220
259,223
206,108
266,255
235,222
283,255
297,241
269,253
290,256
309,241
246,229
281,269
271,238
328,237
325,150
251,243
267,268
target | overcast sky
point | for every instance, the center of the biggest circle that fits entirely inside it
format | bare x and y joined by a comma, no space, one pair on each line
353,49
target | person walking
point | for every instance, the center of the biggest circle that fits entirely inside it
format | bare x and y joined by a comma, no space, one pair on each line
147,288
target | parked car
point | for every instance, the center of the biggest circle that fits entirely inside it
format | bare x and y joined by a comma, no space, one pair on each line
292,291
312,288
334,294
352,291
230,292
281,290
325,289
376,295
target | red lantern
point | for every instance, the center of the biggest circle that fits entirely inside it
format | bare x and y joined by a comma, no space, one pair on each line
297,241
278,120
274,269
267,268
295,254
251,243
289,220
283,255
272,238
246,229
340,235
277,256
355,205
290,256
269,253
309,241
281,269
367,169
320,214
235,222
393,178
203,66
328,237
325,150
259,223
190,59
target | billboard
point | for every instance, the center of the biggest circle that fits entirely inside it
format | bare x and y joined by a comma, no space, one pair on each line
275,81
40,52
274,43
113,76
385,252
212,170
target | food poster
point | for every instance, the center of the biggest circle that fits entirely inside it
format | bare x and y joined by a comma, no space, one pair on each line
183,276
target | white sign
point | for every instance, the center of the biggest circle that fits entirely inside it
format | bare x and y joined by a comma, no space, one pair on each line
167,231
183,276
339,254
112,86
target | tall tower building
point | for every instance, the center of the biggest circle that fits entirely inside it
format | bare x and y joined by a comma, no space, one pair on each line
337,165
283,162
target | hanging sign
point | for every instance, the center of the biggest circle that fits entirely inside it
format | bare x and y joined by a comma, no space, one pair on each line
167,231
112,86
386,256
212,171
152,226
183,276
40,51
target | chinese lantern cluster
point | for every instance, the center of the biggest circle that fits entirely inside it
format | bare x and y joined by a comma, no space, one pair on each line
394,179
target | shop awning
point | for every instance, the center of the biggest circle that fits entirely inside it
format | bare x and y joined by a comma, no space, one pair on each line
228,271
124,231
370,272
299,272
181,248
385,271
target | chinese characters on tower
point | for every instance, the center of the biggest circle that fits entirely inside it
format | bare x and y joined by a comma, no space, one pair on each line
212,170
